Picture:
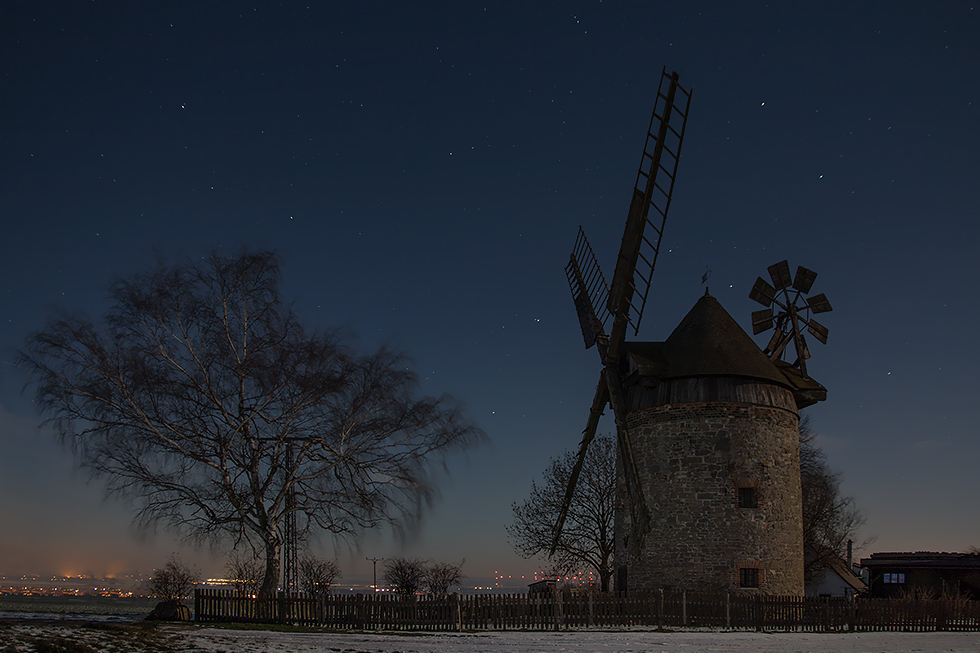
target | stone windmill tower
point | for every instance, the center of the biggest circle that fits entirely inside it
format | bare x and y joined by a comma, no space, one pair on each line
706,422
714,424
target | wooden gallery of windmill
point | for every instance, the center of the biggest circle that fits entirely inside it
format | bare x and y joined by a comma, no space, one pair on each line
707,422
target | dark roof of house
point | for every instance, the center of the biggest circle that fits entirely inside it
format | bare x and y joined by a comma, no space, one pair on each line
840,568
922,560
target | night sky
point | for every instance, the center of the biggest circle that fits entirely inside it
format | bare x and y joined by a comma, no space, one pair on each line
423,169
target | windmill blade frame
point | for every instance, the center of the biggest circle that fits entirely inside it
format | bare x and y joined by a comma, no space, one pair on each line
639,252
589,289
640,515
598,403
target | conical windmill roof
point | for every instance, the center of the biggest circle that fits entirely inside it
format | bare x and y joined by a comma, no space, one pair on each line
707,342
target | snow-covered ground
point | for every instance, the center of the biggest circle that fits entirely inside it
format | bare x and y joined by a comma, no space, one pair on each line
600,642
70,616
24,636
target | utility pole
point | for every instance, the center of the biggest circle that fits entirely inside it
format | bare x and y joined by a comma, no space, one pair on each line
290,566
375,561
290,533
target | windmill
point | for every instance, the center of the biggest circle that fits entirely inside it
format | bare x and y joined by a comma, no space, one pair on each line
624,302
792,314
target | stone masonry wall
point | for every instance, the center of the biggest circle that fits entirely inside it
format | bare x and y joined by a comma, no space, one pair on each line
691,459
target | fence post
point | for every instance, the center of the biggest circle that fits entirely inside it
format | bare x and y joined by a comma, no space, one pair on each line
684,608
458,617
197,604
728,610
559,617
591,609
759,617
660,609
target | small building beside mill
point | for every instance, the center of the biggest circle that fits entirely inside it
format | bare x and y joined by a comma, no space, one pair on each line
926,573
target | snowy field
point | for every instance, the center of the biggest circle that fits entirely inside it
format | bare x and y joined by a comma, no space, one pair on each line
52,636
633,642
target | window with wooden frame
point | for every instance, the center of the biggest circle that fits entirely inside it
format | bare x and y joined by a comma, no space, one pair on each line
748,494
748,577
747,497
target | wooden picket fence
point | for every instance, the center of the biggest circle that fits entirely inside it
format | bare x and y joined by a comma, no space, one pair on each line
567,610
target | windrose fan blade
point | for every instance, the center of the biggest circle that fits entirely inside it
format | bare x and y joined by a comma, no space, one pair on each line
819,304
762,292
804,278
779,273
817,330
761,321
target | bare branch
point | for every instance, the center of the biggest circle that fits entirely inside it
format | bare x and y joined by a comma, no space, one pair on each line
587,539
187,393
175,581
317,575
405,575
829,519
441,576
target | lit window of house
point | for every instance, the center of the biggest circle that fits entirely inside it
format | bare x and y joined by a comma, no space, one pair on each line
894,578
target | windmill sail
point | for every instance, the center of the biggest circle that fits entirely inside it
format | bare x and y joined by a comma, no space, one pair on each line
598,403
589,289
627,297
652,190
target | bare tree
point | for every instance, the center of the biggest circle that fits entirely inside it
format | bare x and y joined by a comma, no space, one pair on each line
175,581
829,519
245,570
317,575
587,538
405,575
198,381
440,576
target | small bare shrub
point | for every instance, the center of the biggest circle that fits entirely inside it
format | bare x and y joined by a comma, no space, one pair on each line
175,581
246,572
440,576
405,575
317,575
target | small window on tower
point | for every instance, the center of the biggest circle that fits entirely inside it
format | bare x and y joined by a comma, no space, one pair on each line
747,498
748,577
